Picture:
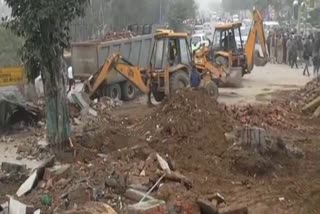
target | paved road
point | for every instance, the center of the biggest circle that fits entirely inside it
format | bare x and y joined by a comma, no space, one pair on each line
263,81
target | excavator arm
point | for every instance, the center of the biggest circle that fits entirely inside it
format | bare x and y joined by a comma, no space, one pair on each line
256,32
202,63
130,72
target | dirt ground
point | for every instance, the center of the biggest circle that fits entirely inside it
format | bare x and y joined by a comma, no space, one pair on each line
190,130
294,185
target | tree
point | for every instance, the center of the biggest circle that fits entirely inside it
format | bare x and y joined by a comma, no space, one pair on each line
179,11
44,24
236,5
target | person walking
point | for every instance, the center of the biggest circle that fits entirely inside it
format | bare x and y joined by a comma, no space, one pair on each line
70,79
285,39
293,54
280,49
289,47
306,58
300,49
273,48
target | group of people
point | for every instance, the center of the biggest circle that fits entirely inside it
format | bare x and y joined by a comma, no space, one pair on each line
293,49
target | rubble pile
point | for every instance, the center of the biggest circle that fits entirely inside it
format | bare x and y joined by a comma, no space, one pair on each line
189,129
305,95
110,36
271,116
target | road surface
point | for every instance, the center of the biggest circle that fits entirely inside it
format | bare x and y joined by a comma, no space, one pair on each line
258,86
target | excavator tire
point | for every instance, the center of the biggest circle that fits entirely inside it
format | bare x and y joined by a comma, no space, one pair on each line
222,61
114,91
179,80
212,89
128,91
157,95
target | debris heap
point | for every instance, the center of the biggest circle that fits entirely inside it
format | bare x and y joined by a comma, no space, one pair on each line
189,128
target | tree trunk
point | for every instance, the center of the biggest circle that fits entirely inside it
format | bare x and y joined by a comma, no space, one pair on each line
57,111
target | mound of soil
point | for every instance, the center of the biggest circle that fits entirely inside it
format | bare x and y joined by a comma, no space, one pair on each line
190,128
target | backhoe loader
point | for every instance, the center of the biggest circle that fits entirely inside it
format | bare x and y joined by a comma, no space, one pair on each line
226,58
226,51
169,69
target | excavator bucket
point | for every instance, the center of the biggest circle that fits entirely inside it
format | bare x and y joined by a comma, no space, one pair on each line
234,77
260,61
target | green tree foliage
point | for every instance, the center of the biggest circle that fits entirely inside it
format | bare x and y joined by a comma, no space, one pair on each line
235,5
114,15
44,25
179,11
10,45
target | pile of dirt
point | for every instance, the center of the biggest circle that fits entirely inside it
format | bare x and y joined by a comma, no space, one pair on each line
189,128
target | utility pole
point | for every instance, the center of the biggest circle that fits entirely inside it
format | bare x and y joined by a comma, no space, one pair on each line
160,12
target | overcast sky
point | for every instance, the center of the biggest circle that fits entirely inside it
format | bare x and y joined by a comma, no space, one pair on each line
204,3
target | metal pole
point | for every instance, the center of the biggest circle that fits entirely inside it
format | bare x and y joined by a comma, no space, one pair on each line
160,12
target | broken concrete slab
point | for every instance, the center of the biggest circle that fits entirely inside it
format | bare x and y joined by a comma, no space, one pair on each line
28,185
55,172
254,137
207,207
4,208
163,164
151,206
312,106
136,195
16,207
13,167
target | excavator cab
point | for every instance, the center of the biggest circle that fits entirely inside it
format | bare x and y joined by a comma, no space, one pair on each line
170,63
224,38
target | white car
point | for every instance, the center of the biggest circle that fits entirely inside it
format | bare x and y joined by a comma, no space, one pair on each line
207,28
199,29
197,40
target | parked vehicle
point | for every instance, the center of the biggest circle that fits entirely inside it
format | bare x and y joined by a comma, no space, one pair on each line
198,40
198,29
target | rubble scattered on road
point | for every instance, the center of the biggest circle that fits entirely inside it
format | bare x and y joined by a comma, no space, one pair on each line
165,161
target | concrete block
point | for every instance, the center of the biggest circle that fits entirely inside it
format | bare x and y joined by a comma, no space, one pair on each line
13,167
148,207
137,195
28,184
207,207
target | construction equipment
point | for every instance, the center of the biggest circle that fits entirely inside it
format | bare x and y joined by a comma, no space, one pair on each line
227,52
237,61
169,69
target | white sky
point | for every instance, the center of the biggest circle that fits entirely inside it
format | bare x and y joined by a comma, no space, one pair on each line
204,3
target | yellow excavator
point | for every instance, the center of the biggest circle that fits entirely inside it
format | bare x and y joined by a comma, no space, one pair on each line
236,59
169,69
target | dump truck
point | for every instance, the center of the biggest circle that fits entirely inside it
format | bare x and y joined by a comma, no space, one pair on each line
169,69
88,57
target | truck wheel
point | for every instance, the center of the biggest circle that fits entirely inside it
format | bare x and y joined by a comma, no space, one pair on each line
212,89
114,91
179,80
128,91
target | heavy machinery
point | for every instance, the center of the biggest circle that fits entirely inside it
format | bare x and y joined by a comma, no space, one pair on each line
169,69
229,61
227,52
